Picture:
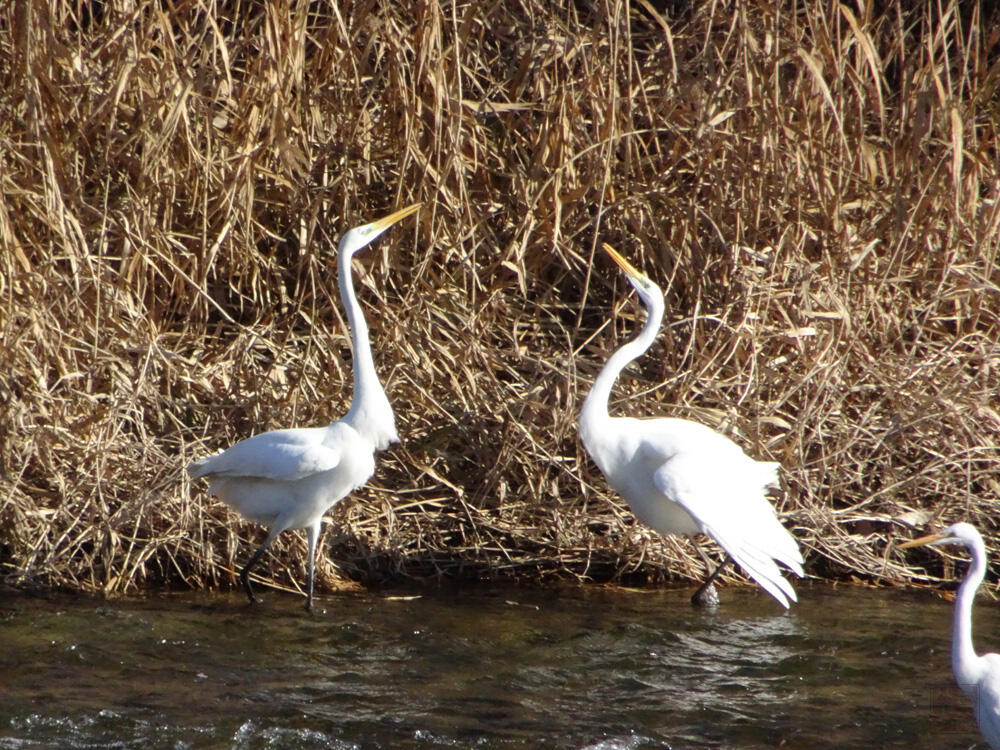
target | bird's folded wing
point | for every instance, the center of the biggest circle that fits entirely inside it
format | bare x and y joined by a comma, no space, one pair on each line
737,515
276,455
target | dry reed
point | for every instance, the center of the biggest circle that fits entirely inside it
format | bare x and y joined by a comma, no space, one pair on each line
815,185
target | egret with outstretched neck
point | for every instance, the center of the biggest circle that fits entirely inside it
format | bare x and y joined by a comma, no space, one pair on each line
977,676
287,479
681,477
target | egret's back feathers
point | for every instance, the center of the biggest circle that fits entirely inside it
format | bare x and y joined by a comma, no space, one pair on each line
284,455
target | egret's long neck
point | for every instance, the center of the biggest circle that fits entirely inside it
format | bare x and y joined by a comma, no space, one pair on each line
595,407
370,412
964,661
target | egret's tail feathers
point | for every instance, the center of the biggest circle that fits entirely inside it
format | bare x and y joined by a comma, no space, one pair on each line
768,473
762,569
198,468
757,548
780,545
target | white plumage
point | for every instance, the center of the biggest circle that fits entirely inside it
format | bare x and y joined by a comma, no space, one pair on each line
977,676
681,477
287,479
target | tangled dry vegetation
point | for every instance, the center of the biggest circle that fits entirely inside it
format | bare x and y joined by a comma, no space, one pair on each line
815,185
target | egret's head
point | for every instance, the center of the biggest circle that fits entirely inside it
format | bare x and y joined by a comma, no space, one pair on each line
357,238
642,283
957,533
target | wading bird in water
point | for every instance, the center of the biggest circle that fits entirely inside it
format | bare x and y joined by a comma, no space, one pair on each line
287,479
681,477
977,676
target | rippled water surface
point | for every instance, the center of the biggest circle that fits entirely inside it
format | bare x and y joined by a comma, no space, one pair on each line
572,668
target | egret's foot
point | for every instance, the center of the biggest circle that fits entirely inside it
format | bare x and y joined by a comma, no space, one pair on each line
245,580
251,597
706,596
245,573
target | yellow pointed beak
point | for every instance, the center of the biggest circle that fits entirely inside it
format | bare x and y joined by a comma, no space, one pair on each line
387,221
625,265
923,541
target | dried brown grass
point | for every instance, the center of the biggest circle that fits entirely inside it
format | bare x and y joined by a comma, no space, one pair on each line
815,187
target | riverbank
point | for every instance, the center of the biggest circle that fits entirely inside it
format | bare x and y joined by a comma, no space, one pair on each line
816,192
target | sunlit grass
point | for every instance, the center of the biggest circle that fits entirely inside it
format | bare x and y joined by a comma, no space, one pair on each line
815,189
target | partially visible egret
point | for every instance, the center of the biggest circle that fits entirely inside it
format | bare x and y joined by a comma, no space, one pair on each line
977,676
287,479
681,477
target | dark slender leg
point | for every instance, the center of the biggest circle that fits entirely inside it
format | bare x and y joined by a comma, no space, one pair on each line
706,595
245,573
312,535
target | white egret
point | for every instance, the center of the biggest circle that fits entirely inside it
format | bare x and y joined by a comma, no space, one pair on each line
287,479
681,477
977,676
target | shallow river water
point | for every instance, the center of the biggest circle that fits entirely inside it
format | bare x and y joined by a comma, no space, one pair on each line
597,668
